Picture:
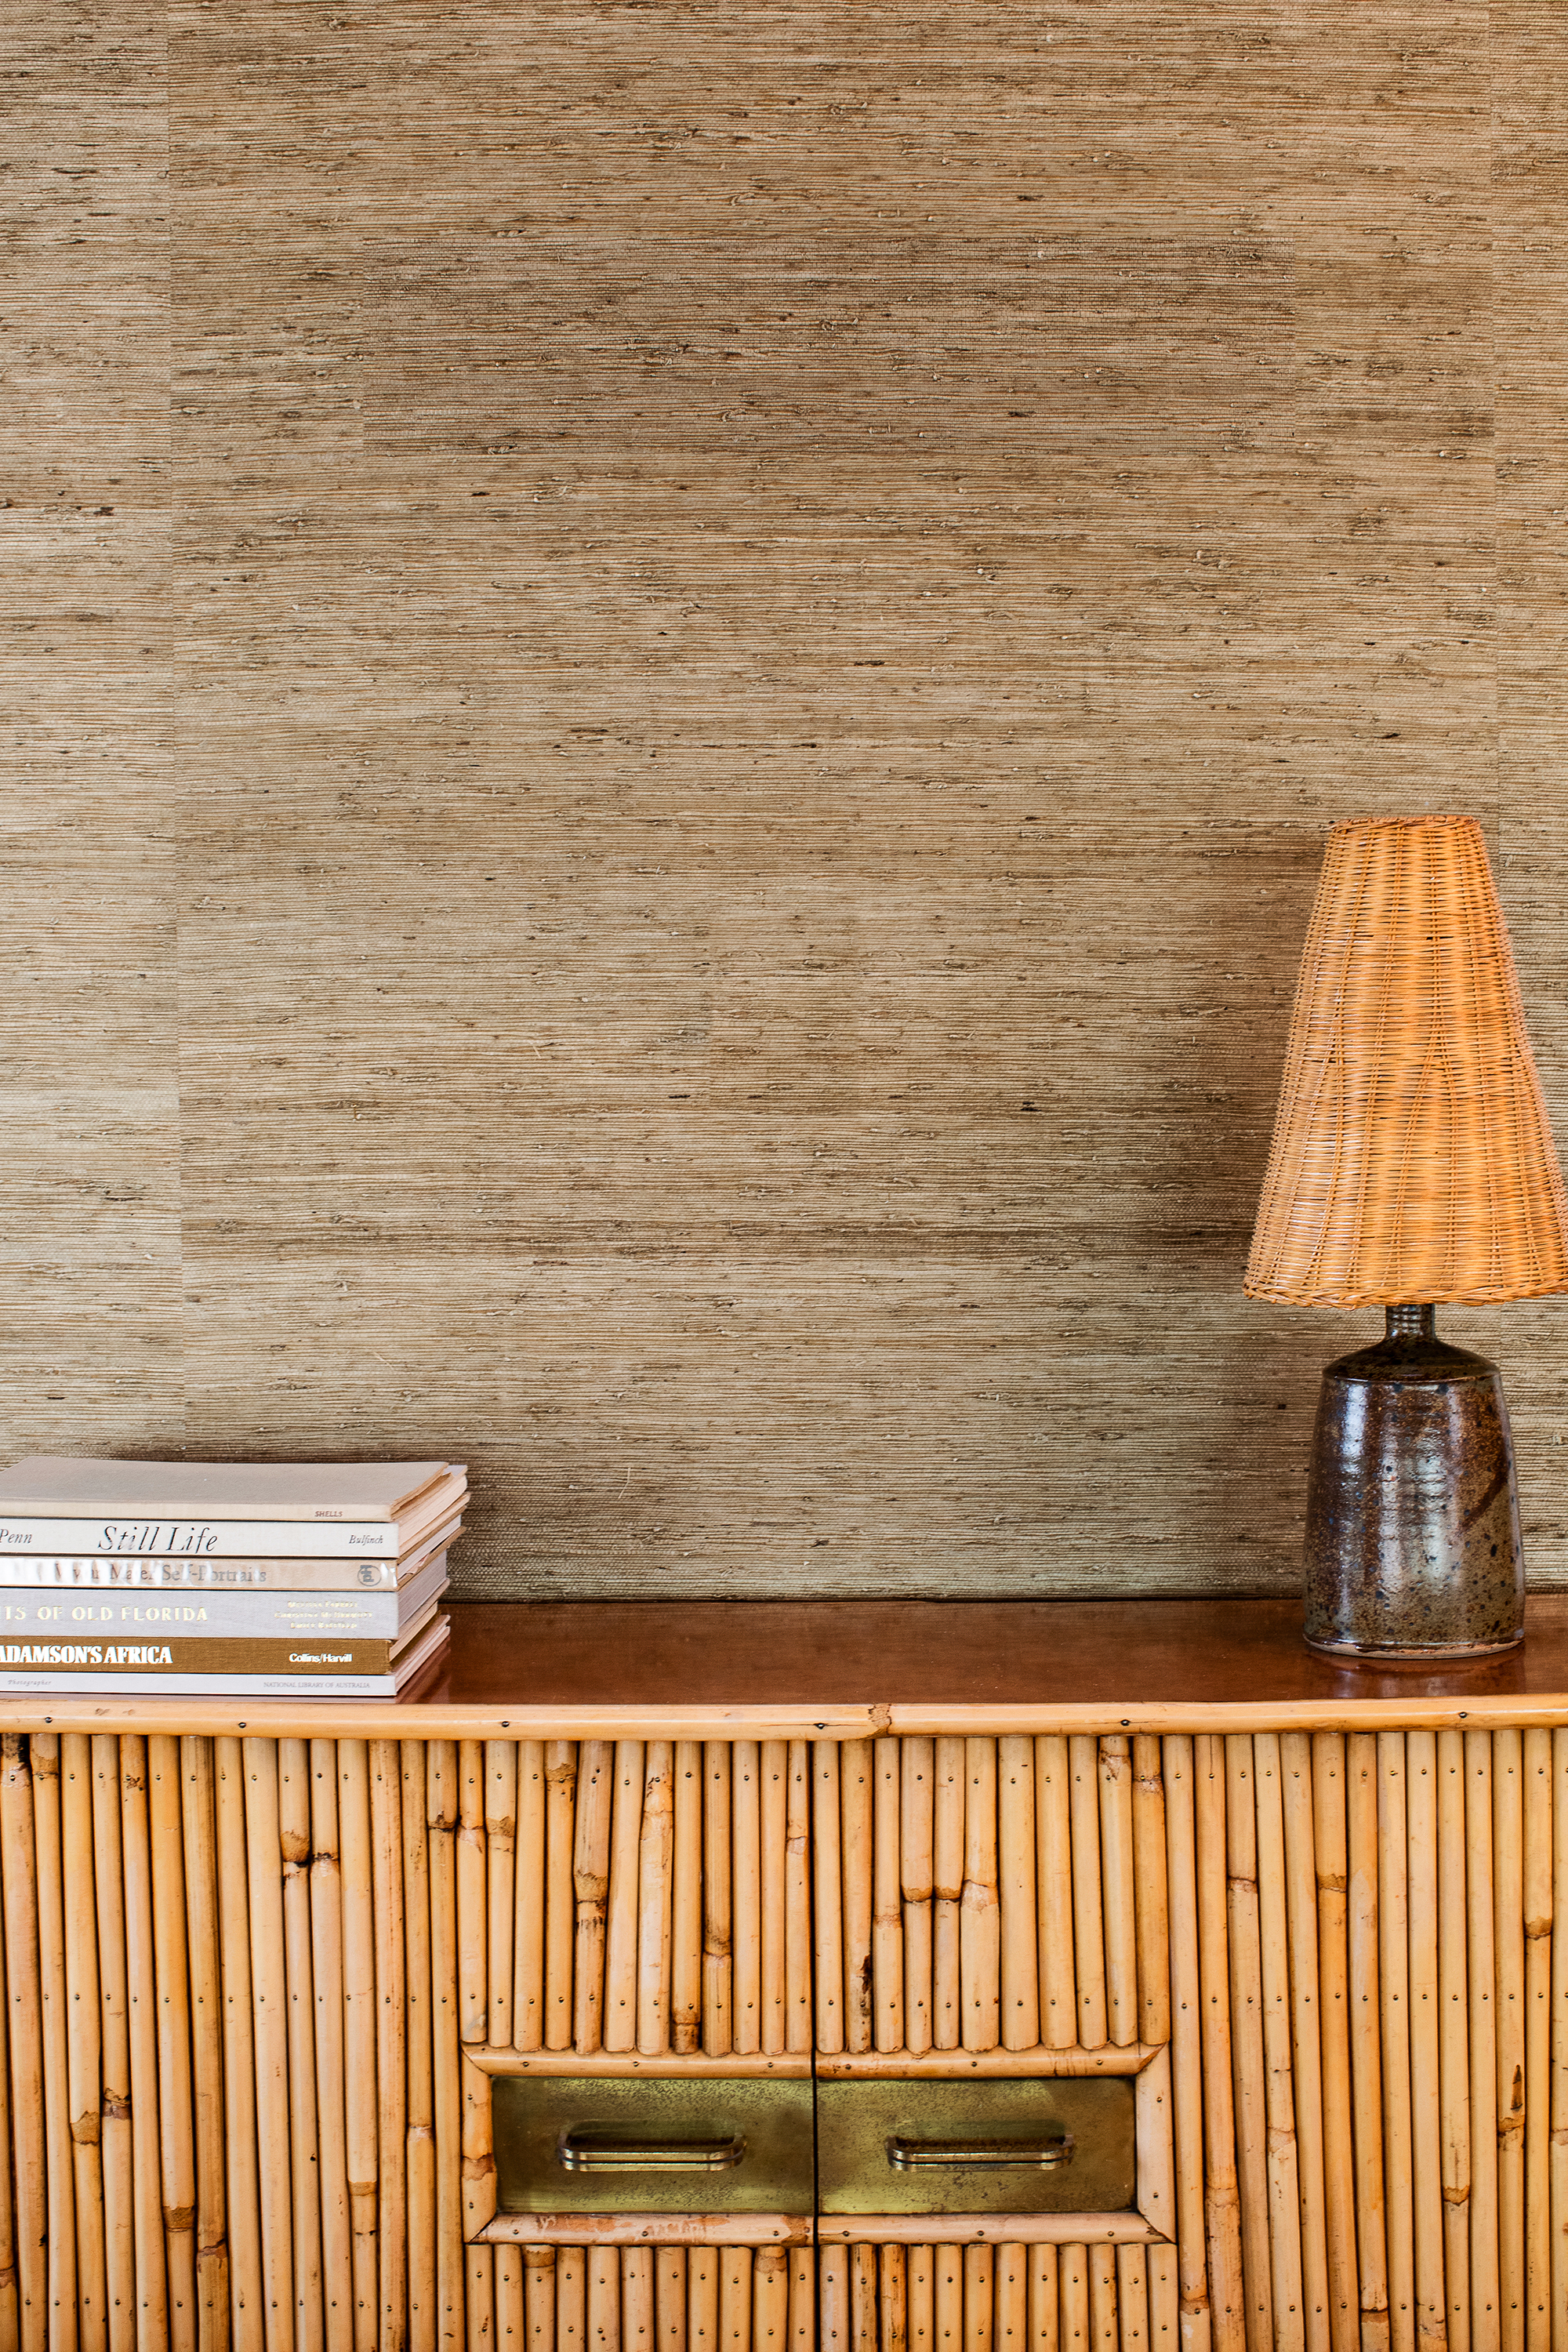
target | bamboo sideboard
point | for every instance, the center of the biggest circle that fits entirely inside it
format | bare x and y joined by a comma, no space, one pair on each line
264,1964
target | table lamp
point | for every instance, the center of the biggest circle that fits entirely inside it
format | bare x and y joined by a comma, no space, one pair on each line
1412,1162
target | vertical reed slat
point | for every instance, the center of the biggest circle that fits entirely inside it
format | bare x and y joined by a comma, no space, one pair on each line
1043,2334
718,1912
919,2282
917,1799
500,1891
385,1769
84,2037
735,2298
1508,1947
119,2191
10,2307
591,1889
801,2294
828,1908
1249,2082
1052,1832
1538,1833
746,1897
528,1926
25,2036
833,2299
59,2186
560,1907
686,1953
980,1918
669,2262
798,2025
473,1909
893,2299
855,1795
199,1829
1454,2053
1227,2313
702,2272
1089,1924
1073,2306
1187,2043
656,1895
979,2285
1480,1959
621,1922
1010,2298
1558,2158
1306,2040
171,1951
774,1997
1366,2037
1116,1888
539,2272
300,2001
360,2105
419,2171
1017,1893
270,2031
637,2314
947,2271
327,1991
1426,2143
1103,2322
441,1813
1395,2028
512,2310
572,2298
1165,2305
1149,1889
1330,1838
246,2286
864,2324
478,2298
1280,2105
1133,2298
886,1904
947,1894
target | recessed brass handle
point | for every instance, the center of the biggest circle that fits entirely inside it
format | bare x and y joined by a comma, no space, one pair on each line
912,2154
586,2150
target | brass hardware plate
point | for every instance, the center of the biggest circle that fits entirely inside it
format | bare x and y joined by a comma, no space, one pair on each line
1055,2144
593,2144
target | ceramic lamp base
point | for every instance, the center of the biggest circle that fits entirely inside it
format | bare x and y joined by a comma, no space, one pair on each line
1413,1546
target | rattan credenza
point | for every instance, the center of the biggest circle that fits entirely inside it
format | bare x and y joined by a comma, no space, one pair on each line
265,1966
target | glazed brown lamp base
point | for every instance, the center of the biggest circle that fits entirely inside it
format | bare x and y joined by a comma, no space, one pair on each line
1413,1545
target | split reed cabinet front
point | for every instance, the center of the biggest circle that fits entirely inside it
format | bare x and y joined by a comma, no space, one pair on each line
275,1994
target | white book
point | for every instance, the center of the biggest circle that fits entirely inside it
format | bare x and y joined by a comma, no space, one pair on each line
179,1668
374,1510
201,1611
209,1571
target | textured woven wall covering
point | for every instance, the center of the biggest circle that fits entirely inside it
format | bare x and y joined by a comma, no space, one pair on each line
674,680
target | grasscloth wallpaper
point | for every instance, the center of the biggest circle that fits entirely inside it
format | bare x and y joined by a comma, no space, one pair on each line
673,676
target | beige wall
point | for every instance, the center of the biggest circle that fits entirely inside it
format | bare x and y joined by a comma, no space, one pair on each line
674,677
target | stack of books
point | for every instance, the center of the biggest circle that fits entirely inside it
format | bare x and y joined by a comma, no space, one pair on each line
275,1579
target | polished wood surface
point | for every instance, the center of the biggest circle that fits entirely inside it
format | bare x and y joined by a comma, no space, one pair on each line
903,1654
605,1669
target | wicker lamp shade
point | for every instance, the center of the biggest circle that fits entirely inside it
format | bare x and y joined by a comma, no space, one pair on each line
1412,1160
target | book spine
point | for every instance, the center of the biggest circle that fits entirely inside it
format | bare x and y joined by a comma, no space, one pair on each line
89,1657
257,1616
129,1573
203,1538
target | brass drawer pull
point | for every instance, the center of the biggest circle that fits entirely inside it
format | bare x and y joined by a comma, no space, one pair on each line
601,2151
912,2154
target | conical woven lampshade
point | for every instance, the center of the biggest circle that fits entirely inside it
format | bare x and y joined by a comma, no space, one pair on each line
1412,1160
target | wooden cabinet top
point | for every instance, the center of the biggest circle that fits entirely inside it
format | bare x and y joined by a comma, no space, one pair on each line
846,1668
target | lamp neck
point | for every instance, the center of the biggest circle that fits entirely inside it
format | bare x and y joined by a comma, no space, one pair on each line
1411,1322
